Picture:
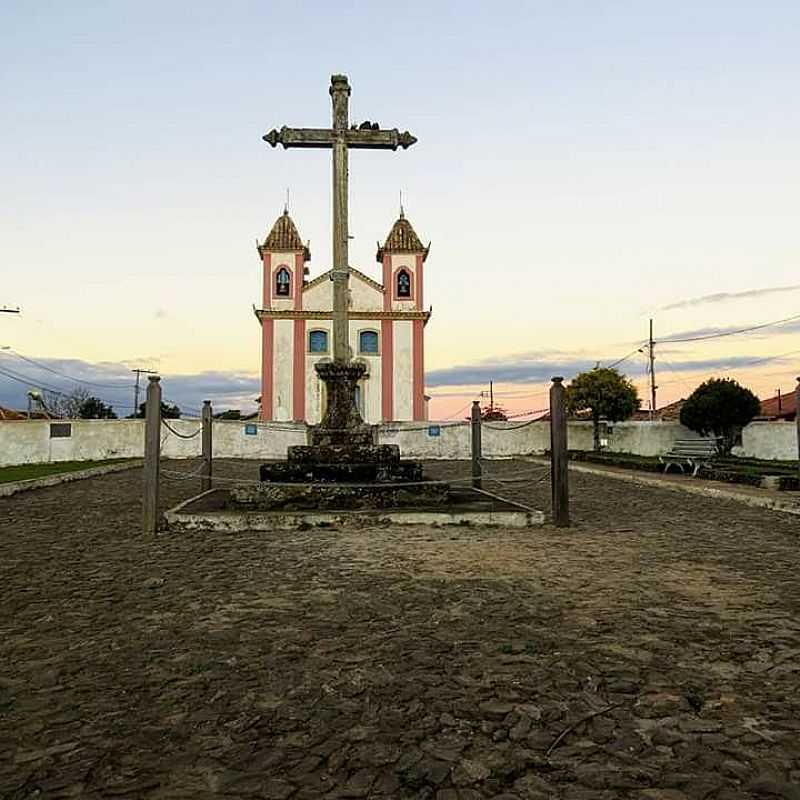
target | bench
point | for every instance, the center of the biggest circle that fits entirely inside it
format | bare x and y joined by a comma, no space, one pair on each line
692,453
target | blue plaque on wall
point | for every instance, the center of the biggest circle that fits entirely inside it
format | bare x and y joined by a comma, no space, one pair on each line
434,430
250,430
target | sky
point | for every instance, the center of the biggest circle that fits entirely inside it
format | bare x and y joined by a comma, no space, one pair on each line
581,168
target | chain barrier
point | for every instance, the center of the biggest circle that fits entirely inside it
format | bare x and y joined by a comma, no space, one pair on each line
178,433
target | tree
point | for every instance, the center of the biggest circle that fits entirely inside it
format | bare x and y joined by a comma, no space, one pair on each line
168,411
494,413
94,408
605,393
720,406
231,413
66,406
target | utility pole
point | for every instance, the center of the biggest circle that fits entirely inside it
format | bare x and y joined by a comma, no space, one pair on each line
491,396
653,386
139,372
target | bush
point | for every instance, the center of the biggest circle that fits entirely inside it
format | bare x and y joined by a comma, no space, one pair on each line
722,407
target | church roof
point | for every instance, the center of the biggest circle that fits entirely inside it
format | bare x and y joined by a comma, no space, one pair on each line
284,237
402,238
353,271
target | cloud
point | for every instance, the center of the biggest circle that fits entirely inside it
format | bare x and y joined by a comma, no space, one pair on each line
766,330
114,384
723,297
521,368
540,368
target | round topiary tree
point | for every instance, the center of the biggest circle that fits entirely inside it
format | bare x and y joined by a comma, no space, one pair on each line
720,406
606,393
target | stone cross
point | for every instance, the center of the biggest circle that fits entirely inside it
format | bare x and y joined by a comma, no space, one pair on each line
340,137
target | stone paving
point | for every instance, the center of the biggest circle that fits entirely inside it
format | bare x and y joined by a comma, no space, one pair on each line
652,651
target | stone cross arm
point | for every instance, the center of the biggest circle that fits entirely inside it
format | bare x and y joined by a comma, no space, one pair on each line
355,138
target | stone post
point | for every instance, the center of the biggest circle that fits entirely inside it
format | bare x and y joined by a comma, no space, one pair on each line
559,465
207,419
477,483
152,453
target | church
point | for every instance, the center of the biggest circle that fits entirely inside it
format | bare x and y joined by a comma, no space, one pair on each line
387,328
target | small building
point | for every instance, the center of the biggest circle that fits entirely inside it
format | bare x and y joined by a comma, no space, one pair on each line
387,328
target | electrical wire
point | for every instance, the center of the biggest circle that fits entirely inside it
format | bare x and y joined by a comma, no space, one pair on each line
730,333
38,364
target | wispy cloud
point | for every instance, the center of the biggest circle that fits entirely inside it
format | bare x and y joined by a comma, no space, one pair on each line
113,383
723,297
520,368
713,331
531,369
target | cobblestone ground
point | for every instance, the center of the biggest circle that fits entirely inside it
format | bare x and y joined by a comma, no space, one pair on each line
651,651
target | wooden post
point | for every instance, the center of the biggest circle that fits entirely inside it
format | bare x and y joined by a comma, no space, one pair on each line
559,467
477,483
797,422
152,453
207,418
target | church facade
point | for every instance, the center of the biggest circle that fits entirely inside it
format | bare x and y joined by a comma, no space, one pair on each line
387,328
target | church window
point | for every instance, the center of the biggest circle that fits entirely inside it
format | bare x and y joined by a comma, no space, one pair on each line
282,283
403,284
318,342
368,342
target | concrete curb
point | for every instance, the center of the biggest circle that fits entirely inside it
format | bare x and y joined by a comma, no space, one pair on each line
14,487
788,506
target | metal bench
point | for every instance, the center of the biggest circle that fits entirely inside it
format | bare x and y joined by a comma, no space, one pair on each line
692,453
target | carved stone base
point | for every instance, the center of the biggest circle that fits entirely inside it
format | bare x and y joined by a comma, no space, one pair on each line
343,467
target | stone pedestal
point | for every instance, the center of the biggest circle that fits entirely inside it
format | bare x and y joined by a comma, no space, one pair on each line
343,467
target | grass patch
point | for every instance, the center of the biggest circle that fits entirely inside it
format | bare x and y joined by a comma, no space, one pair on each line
25,472
748,471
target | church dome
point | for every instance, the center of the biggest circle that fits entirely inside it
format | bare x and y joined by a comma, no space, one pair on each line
402,238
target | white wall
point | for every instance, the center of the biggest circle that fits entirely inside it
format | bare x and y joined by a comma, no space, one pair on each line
403,369
283,369
776,440
29,442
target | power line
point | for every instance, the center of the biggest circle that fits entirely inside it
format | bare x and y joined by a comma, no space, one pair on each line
38,364
730,333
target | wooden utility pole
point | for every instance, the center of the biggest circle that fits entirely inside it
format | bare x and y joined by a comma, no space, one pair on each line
152,453
559,464
139,372
340,138
208,420
477,482
653,386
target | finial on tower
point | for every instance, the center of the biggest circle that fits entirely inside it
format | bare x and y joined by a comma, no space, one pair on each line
402,213
286,204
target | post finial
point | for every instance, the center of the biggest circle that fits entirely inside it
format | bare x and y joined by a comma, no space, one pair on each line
558,379
154,378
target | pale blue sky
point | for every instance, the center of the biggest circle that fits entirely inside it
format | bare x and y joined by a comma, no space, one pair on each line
579,165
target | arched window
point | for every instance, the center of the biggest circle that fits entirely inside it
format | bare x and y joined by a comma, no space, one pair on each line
403,284
368,342
283,283
318,342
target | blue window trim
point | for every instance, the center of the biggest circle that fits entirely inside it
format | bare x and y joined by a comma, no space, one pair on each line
361,348
312,349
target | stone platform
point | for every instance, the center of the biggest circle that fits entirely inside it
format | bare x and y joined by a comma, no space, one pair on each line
218,510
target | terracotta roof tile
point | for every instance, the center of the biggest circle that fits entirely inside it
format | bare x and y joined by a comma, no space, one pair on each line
783,407
402,238
284,237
